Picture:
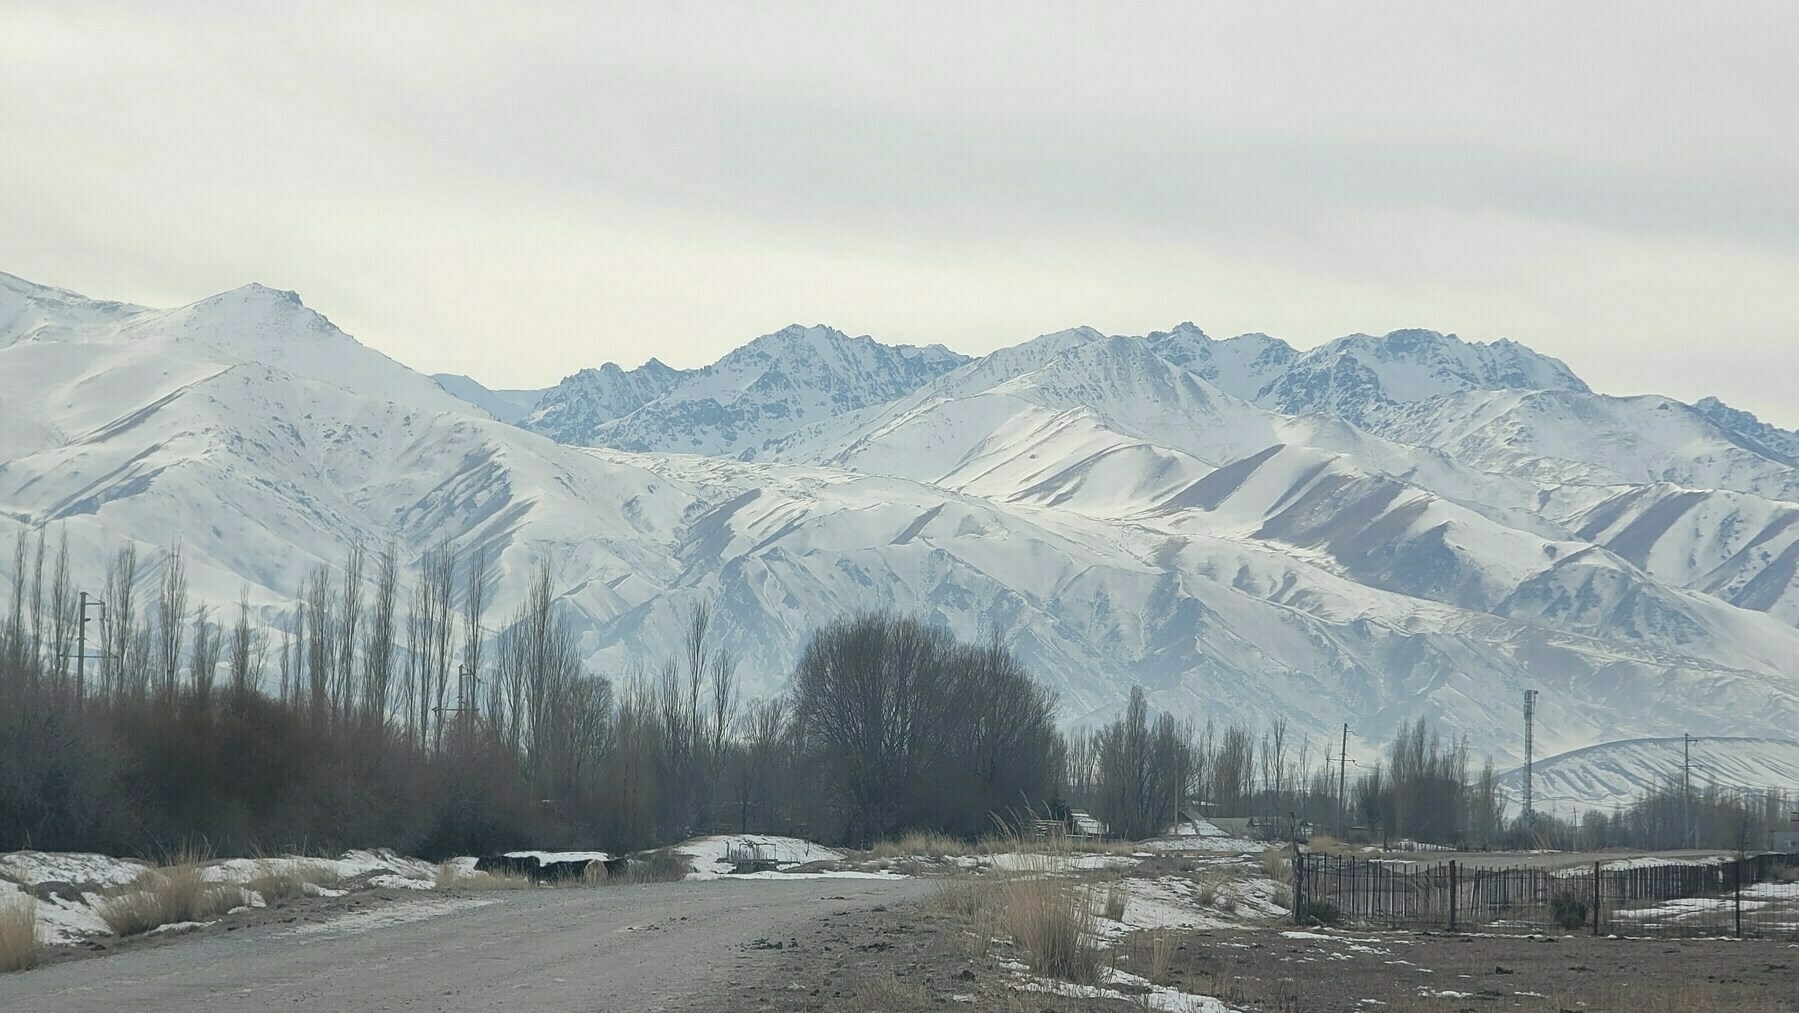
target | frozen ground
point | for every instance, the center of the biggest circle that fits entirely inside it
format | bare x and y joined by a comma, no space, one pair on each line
660,946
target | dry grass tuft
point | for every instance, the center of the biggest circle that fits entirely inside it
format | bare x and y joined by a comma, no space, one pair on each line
177,892
661,866
1161,957
1050,916
881,991
1118,894
921,844
284,880
18,934
1277,865
451,875
1052,920
978,902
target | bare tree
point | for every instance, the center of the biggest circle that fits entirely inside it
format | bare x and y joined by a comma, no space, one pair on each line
121,619
249,647
204,659
321,608
348,625
171,623
63,603
378,649
477,590
36,651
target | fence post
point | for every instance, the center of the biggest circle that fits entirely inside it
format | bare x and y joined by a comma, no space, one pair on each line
1299,889
1452,892
1739,897
1595,898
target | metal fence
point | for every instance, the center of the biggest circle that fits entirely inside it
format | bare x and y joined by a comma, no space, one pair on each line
1753,896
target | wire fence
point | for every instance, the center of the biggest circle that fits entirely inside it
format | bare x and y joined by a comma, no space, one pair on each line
1755,896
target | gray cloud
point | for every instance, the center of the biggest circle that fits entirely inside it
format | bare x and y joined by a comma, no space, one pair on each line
516,194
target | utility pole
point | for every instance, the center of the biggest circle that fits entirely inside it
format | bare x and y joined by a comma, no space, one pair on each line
1530,717
81,646
1342,784
1686,790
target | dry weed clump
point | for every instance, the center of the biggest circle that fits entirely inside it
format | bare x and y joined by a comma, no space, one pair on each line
1277,865
1118,894
979,902
660,866
177,892
1161,957
279,880
451,875
1049,915
920,844
18,934
1210,891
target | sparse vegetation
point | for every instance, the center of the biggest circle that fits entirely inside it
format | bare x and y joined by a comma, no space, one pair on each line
663,865
921,844
279,880
1278,865
1161,956
1319,912
452,876
177,892
18,933
1118,894
1570,910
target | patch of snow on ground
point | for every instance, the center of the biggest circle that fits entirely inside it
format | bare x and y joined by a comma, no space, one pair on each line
1015,861
1222,844
402,883
346,866
380,918
844,874
60,922
34,867
1143,994
708,853
171,928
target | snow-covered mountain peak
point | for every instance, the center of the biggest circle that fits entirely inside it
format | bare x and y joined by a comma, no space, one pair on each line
1352,375
29,310
1767,439
755,395
1241,366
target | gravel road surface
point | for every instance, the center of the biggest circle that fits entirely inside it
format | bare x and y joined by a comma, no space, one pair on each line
632,949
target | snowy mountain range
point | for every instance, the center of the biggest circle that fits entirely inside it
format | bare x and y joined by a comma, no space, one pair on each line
1374,530
1616,773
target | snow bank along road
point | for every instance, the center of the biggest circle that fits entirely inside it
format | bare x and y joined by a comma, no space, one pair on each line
632,948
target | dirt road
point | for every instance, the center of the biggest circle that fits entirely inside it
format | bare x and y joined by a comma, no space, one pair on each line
635,948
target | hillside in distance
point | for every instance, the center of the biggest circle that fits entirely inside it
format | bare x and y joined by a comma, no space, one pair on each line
1615,773
1371,531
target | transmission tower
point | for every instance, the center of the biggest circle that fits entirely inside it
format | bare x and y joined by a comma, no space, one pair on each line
1530,719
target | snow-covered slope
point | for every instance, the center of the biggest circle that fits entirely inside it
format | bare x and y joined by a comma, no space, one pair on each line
1351,375
1616,773
758,393
1560,438
509,406
1121,510
574,410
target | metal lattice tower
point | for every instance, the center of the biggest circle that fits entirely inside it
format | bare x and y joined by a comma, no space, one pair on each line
1530,719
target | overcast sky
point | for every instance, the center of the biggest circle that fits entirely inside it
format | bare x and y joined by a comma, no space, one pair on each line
517,191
